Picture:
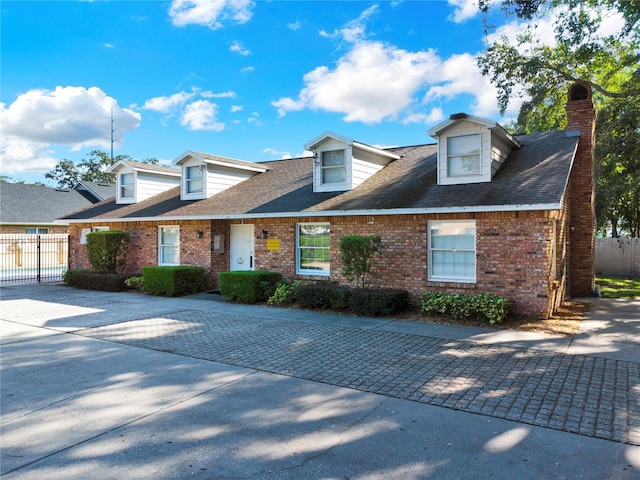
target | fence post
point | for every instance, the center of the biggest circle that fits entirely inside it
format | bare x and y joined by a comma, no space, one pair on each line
39,253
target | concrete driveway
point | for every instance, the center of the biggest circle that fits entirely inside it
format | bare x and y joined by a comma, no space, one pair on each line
103,385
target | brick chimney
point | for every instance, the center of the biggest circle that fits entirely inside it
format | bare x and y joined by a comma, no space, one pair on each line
581,116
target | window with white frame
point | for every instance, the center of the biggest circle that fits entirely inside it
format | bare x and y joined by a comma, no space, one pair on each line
36,231
126,185
169,245
463,155
312,248
99,229
194,179
333,166
452,250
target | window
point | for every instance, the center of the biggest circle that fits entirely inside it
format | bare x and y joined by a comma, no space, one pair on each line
463,155
194,179
333,167
126,185
36,231
99,229
313,248
452,250
169,245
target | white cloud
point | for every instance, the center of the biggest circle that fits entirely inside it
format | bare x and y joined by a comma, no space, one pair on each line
431,118
248,69
210,13
201,115
355,29
464,9
254,118
166,104
366,84
238,48
276,153
108,45
294,25
236,108
227,94
72,116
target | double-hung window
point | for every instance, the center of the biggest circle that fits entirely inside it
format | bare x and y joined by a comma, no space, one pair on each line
334,169
463,155
452,250
194,179
126,185
312,252
36,231
169,245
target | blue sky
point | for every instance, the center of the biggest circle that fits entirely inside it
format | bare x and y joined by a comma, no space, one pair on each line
252,80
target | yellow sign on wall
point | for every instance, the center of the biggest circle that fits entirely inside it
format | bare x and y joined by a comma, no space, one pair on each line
273,244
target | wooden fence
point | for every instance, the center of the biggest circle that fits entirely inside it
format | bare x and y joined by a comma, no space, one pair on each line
618,256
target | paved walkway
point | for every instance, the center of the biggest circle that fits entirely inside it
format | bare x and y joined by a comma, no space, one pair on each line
587,384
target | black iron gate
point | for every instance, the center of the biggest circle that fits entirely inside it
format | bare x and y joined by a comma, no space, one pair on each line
33,258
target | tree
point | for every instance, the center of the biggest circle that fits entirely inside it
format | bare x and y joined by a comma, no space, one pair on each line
356,254
93,168
609,62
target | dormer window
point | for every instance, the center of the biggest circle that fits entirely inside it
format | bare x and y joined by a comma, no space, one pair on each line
333,167
470,149
463,155
126,185
194,179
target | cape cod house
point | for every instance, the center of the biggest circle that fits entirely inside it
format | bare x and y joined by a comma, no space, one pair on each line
480,210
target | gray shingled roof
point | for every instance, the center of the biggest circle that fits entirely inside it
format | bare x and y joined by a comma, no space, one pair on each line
535,174
102,191
32,204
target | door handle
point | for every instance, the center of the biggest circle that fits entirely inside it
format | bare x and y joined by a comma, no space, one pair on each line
251,261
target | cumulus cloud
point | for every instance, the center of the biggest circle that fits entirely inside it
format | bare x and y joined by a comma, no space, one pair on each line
464,10
365,85
238,48
166,104
201,115
236,108
276,153
72,116
375,81
227,94
211,13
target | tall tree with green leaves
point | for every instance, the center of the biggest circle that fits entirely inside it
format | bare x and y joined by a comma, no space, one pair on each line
585,48
94,167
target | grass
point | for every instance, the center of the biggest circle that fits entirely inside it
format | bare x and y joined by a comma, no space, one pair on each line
619,286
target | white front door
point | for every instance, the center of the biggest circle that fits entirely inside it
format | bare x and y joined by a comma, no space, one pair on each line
241,250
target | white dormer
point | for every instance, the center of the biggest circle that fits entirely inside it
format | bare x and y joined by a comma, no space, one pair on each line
470,149
341,164
205,175
137,181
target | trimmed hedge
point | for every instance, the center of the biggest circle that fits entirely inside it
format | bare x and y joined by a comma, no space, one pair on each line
378,302
248,286
485,307
107,250
361,301
88,280
173,281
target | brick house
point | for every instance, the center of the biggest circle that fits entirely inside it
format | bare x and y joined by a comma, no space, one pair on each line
480,210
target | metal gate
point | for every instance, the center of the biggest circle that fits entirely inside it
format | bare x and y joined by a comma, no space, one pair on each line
33,258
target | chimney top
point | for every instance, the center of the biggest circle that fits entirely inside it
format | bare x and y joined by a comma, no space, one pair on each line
579,91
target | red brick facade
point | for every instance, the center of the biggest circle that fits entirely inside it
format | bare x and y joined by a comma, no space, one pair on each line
582,219
514,252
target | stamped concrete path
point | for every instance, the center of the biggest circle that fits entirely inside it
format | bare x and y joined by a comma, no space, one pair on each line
587,384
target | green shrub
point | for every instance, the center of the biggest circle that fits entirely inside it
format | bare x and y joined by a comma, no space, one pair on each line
314,296
378,302
173,281
88,280
284,294
486,307
356,256
248,286
107,250
135,283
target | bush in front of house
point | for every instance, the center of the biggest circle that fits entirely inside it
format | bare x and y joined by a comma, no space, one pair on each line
89,280
485,307
173,281
107,250
284,294
248,286
376,302
322,295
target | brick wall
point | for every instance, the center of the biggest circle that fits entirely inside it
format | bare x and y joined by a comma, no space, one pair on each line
581,269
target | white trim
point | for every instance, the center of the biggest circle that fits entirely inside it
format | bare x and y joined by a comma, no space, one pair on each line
329,213
55,223
221,162
299,270
452,279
